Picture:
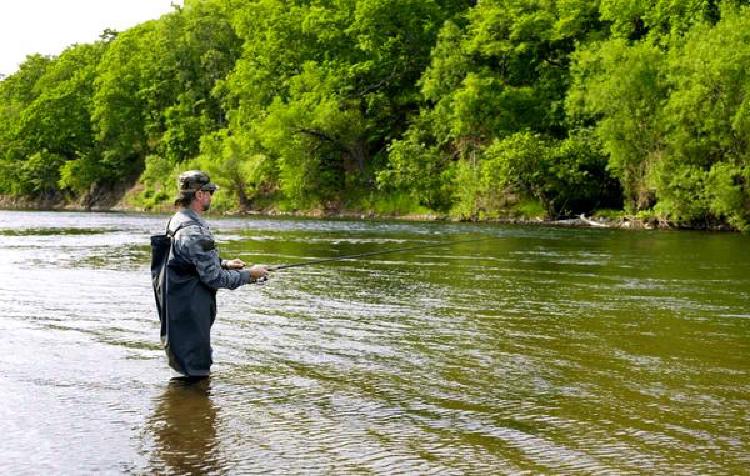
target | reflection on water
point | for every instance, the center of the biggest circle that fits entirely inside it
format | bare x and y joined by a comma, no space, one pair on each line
184,429
535,351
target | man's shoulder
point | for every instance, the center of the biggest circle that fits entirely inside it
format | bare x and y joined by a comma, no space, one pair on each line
188,223
192,233
195,240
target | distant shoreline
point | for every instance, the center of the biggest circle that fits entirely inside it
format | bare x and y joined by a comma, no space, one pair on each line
625,223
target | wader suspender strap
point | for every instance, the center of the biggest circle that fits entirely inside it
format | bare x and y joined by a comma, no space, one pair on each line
172,234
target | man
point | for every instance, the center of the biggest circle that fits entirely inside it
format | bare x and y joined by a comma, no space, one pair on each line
193,273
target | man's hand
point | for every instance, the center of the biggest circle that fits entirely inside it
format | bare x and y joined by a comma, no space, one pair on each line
234,264
259,272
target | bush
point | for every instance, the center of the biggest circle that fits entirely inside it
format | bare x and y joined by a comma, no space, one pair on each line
564,177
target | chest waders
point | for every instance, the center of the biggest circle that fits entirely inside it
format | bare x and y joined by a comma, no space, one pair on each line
186,307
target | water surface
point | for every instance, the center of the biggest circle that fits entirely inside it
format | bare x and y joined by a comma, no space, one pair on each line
536,350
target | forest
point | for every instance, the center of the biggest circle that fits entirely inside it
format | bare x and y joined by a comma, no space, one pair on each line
472,110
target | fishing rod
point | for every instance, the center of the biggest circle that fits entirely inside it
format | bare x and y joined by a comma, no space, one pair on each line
372,253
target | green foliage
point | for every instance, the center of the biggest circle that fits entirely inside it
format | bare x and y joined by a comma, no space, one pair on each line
498,72
37,175
242,177
479,109
621,89
728,194
45,118
668,112
515,163
21,87
420,169
563,177
324,87
635,19
527,210
395,204
158,179
577,176
681,192
504,70
78,175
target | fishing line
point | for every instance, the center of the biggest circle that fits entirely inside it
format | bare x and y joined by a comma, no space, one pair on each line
373,253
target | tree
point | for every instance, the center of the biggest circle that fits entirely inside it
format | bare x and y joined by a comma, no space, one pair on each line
156,88
52,125
499,69
704,174
670,110
621,88
323,87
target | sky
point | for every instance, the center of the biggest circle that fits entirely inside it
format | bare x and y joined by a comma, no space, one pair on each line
49,26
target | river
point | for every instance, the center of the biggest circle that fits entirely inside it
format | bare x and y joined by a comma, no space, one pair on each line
536,350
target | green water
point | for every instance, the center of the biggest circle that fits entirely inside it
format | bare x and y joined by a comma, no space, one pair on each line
536,350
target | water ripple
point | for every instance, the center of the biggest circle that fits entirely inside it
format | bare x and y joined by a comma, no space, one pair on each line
540,351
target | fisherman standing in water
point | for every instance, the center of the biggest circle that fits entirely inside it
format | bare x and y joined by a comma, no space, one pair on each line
193,273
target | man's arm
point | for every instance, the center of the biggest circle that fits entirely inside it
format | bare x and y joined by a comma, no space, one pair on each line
198,247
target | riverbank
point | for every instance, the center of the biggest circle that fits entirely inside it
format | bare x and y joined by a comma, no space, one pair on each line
623,222
14,203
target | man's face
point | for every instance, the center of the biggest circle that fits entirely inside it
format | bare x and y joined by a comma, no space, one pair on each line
204,198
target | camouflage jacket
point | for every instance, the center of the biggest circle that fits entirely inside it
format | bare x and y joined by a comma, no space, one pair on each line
195,245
